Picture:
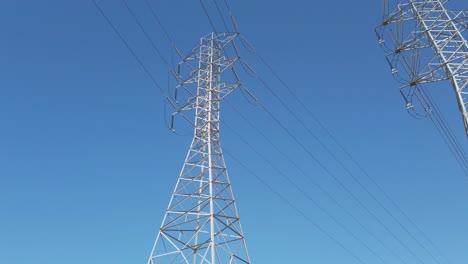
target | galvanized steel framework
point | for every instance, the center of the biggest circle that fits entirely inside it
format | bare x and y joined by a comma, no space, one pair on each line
412,28
202,224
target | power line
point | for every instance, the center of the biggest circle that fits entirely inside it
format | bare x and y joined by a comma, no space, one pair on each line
317,161
316,184
208,15
153,44
344,150
166,31
299,211
156,17
347,153
142,65
340,183
221,15
301,190
446,131
342,165
209,18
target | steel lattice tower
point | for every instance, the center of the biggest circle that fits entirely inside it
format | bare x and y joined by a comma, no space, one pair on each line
429,43
202,224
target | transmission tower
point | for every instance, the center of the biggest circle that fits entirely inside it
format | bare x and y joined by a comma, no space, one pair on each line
201,224
426,43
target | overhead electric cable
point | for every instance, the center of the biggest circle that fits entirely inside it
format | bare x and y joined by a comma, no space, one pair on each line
221,15
315,183
448,140
172,41
446,131
297,98
299,211
207,15
346,152
343,166
346,169
340,183
303,192
164,94
317,161
131,50
340,146
153,44
156,17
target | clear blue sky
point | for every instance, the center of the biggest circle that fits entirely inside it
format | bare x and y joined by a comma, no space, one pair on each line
87,164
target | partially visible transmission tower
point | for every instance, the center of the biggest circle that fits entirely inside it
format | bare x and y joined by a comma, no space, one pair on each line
201,225
426,43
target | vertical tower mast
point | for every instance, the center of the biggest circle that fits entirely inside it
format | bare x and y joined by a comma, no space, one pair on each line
202,224
428,25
